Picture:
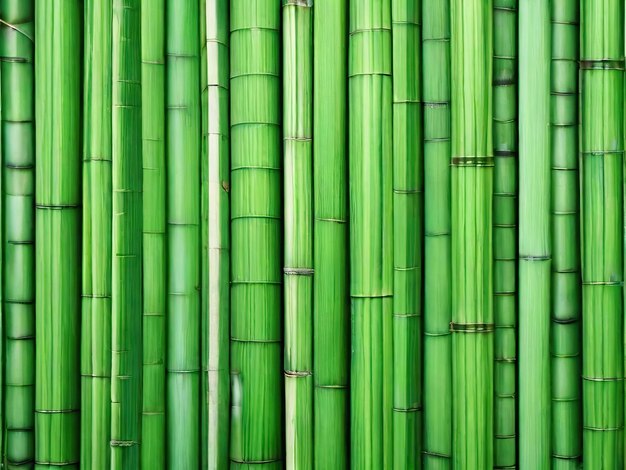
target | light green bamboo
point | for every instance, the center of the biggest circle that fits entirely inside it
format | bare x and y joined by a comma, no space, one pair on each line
566,289
472,274
18,175
184,238
96,248
371,234
331,314
154,226
58,242
256,437
602,229
437,386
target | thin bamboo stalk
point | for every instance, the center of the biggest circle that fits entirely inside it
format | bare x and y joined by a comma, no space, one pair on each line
154,227
17,57
566,289
256,352
472,274
331,314
602,229
371,233
58,241
96,248
437,387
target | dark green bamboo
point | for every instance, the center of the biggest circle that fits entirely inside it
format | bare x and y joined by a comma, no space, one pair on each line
437,387
256,437
17,30
154,226
472,275
566,289
96,249
407,235
58,241
602,160
371,234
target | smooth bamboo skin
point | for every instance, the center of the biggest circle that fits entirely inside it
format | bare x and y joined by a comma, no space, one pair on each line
184,243
154,228
297,29
566,288
371,234
96,248
535,237
437,384
472,273
602,155
18,236
257,417
58,241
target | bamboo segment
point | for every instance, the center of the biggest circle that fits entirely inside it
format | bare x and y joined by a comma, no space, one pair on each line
154,226
184,243
298,231
566,290
602,159
17,57
437,387
331,316
58,241
256,380
371,233
407,238
96,250
535,243
472,275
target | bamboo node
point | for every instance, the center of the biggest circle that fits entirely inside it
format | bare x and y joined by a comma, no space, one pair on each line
472,161
601,64
471,327
120,443
298,271
602,379
298,373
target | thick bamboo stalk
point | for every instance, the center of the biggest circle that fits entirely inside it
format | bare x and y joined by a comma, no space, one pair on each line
18,174
58,241
437,387
96,249
602,160
371,234
297,48
154,226
331,315
535,240
472,275
256,354
407,235
566,289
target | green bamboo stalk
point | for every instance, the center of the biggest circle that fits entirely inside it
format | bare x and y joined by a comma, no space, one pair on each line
256,437
298,230
437,387
472,274
566,290
602,160
58,241
371,234
535,240
184,238
96,249
17,57
331,314
407,235
154,226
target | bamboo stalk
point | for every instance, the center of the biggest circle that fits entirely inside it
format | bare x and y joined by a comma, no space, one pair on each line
437,386
331,315
371,233
472,275
58,195
17,57
154,241
96,249
602,160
